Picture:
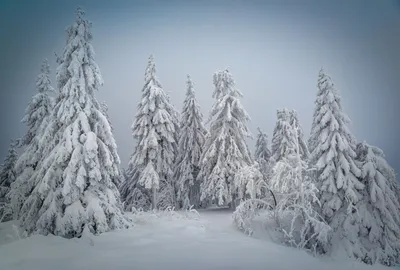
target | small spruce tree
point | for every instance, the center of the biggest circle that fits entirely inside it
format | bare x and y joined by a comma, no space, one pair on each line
7,178
190,144
262,151
7,173
37,118
281,139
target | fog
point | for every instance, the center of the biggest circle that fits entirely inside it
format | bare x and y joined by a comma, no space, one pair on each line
274,49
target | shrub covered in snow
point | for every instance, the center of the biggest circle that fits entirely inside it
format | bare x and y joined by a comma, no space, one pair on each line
295,214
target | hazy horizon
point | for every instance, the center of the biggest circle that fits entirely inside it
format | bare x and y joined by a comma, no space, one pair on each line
274,50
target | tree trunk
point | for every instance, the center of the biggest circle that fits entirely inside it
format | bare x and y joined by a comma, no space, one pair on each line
154,200
233,202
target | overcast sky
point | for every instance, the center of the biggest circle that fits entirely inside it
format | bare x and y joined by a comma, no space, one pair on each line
274,49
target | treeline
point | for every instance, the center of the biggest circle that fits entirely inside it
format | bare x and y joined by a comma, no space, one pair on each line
330,190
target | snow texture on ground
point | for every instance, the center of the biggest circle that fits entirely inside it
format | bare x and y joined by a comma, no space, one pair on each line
168,241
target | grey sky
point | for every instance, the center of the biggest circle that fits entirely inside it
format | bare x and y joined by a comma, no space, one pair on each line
274,50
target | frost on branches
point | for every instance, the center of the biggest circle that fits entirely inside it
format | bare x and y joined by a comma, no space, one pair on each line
7,178
283,178
7,173
37,118
296,218
262,151
136,198
333,155
262,154
104,110
190,144
303,147
296,215
291,137
282,140
76,180
254,196
154,128
225,151
375,226
142,201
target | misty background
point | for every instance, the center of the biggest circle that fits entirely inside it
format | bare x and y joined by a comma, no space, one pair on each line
274,50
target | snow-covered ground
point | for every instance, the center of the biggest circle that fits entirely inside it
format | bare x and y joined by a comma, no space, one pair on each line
164,241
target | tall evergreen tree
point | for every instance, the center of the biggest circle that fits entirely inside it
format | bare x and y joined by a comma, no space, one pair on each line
191,141
154,129
333,155
225,151
7,173
262,151
37,118
375,235
76,181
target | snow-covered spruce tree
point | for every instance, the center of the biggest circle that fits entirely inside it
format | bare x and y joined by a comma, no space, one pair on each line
154,129
333,157
40,107
123,177
281,139
135,196
225,151
7,178
76,180
303,147
7,173
296,213
283,176
262,151
37,118
190,145
250,182
262,155
375,233
254,195
296,218
104,110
